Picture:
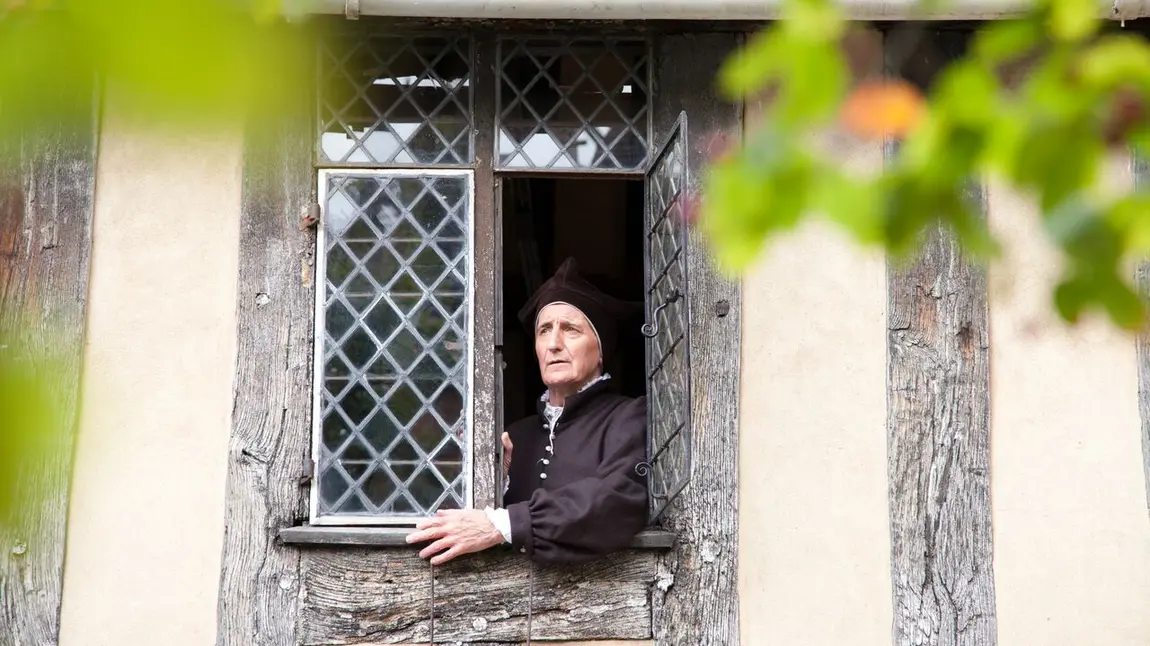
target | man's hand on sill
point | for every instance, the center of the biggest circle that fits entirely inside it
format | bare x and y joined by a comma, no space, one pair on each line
455,532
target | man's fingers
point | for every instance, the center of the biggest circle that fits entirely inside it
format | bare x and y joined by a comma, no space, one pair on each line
446,556
425,535
506,443
437,546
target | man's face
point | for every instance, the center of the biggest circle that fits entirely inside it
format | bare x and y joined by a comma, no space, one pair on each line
566,347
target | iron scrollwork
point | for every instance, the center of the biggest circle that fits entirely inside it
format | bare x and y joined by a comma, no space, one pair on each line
651,328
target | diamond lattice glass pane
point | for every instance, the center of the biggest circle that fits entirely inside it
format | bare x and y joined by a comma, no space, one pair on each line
394,344
380,431
393,99
332,485
426,488
379,487
573,103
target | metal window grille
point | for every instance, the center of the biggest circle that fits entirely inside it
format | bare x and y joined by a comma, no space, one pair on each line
668,350
393,324
395,100
573,103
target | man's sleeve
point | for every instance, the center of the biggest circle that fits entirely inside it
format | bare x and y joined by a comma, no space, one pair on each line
592,516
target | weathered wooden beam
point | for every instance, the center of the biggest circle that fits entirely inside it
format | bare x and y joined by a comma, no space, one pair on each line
484,436
385,597
938,420
396,537
271,431
1142,280
938,434
697,600
47,183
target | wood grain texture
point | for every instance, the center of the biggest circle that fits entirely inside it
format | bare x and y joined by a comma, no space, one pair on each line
696,600
384,596
47,185
938,432
938,409
484,436
271,430
1142,280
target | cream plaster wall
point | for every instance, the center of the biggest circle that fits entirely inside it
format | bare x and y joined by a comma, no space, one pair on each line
814,546
1071,530
146,518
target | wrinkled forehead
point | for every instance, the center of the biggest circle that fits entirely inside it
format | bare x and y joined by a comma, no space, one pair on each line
559,310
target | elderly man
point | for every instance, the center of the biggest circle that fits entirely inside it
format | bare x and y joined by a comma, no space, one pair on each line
575,489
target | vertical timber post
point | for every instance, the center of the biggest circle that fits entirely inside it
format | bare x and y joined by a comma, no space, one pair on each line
271,420
47,187
696,601
1142,280
938,424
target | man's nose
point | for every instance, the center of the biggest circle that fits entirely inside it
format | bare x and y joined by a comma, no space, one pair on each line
554,341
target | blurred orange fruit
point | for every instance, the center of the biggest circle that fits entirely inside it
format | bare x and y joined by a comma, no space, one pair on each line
882,108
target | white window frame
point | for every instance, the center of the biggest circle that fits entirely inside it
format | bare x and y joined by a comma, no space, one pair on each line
324,174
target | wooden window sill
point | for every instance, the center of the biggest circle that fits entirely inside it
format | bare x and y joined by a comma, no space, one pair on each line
650,539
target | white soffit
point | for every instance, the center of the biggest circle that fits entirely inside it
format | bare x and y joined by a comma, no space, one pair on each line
694,9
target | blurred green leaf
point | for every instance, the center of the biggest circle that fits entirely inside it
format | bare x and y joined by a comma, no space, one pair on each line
1114,61
34,432
1072,20
1002,41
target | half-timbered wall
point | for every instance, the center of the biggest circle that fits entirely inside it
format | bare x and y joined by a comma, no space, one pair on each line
927,455
849,416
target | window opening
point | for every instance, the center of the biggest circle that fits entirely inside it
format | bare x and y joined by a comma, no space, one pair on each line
599,222
395,100
393,326
572,103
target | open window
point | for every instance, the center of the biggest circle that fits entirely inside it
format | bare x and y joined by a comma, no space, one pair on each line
629,238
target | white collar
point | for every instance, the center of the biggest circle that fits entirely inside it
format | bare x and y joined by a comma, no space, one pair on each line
546,397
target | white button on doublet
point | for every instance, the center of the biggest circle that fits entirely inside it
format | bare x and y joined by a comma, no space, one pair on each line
546,461
543,475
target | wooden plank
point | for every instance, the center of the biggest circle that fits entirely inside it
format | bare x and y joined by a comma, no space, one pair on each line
385,596
271,430
938,432
938,423
396,537
484,436
1142,280
696,600
47,183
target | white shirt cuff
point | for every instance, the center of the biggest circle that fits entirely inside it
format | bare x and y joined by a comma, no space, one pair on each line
502,521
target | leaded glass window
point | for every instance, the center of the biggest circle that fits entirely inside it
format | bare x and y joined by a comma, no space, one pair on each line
395,100
392,330
573,103
667,329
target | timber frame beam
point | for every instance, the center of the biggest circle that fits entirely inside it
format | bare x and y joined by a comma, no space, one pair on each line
47,195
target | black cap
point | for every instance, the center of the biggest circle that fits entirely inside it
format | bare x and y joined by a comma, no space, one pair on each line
567,286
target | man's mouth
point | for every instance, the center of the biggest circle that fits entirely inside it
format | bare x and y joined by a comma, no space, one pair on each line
557,362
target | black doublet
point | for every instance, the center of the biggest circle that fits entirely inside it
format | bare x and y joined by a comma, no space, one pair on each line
582,497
